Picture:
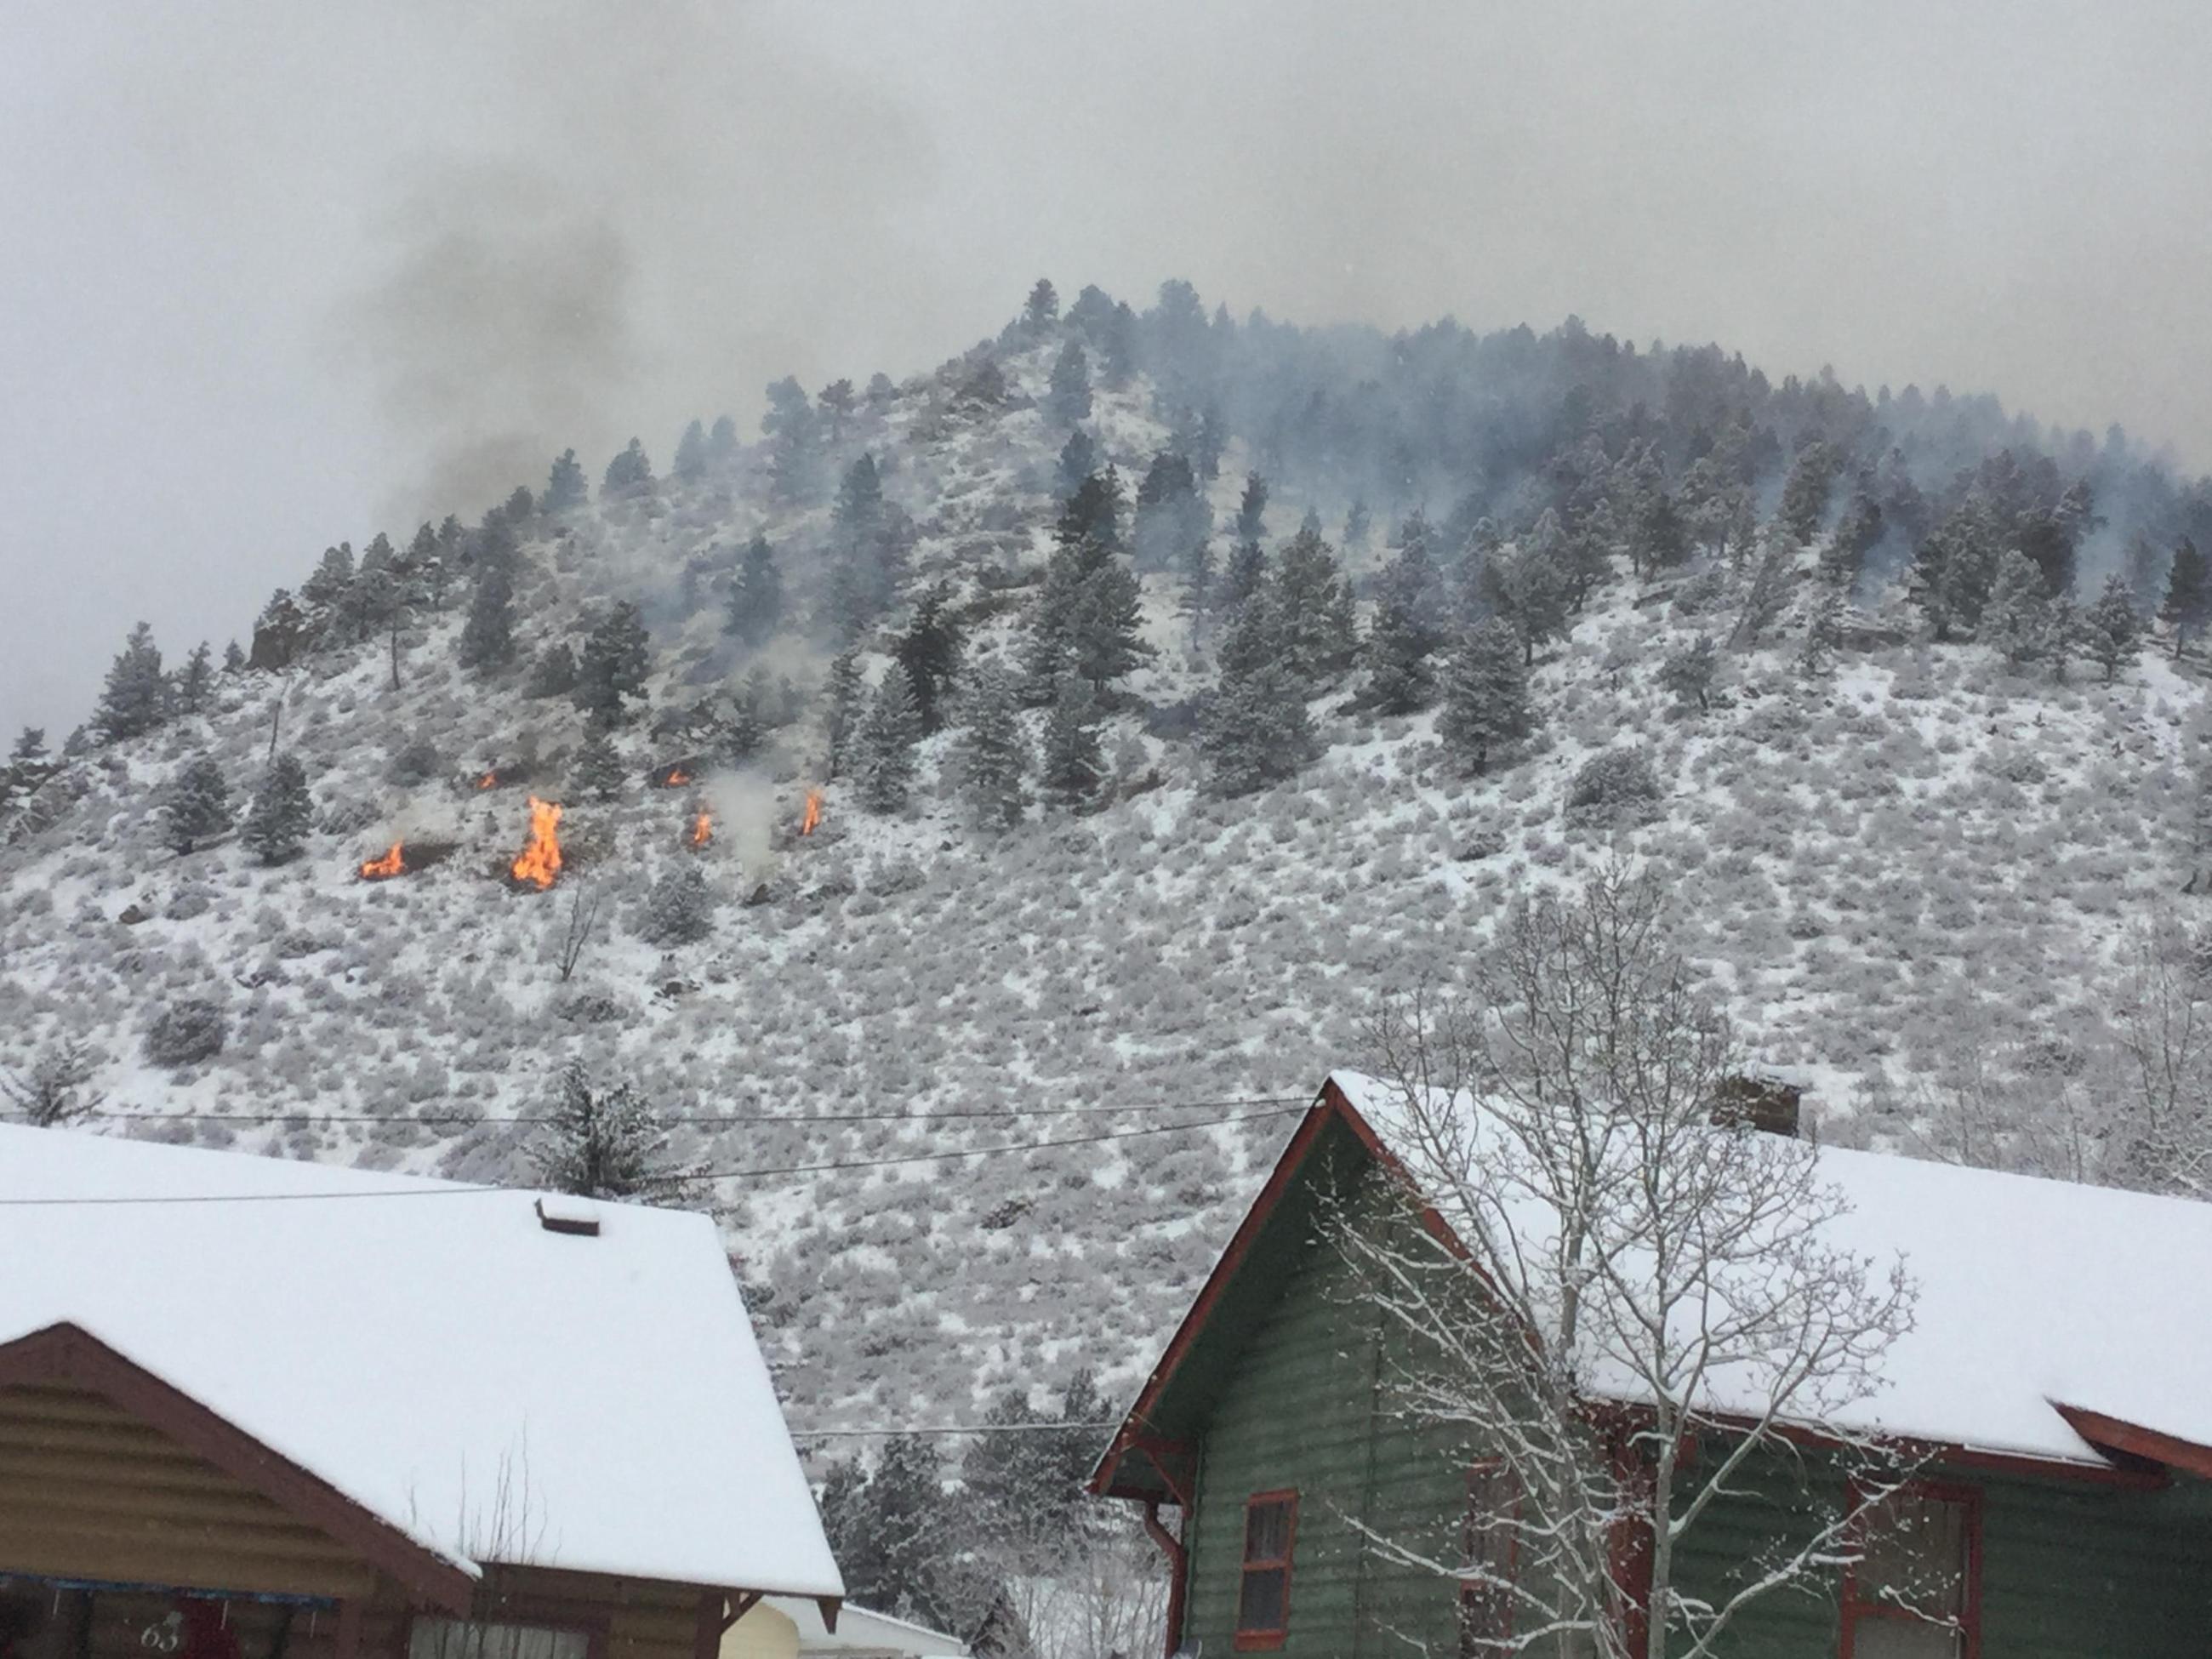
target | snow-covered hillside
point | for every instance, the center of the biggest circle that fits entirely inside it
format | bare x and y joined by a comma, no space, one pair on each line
1906,844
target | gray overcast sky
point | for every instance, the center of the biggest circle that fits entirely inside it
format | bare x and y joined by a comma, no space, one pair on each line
277,274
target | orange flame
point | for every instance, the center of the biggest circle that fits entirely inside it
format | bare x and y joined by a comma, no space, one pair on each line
813,814
539,862
393,863
489,780
677,778
702,829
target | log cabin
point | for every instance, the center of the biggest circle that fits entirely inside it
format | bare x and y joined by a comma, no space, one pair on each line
2053,1399
258,1409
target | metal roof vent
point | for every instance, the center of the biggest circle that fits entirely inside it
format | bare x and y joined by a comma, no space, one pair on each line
578,1215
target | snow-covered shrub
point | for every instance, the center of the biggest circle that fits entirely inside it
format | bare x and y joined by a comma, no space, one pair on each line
1614,788
187,1032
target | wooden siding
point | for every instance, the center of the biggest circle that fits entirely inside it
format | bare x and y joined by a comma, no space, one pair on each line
88,1491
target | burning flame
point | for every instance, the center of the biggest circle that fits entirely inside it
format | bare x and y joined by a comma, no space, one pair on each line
813,814
702,829
489,780
677,778
393,863
539,862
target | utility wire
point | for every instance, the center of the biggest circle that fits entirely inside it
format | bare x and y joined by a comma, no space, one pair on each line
944,1428
677,1181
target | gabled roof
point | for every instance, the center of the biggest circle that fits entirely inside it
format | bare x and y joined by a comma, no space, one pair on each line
2058,1324
479,1388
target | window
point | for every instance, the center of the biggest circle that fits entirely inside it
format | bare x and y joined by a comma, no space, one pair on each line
1263,1590
1915,1592
1489,1546
454,1638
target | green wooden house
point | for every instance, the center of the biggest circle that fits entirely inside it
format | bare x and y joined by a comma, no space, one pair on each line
2056,1388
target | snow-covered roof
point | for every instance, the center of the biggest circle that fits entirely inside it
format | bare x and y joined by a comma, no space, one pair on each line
862,1633
2032,1294
433,1352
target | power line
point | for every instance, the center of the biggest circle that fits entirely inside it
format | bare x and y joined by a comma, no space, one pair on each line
676,1181
943,1428
448,1120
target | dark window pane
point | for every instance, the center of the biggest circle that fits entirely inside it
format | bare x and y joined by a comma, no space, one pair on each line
1916,1556
1266,1532
1261,1605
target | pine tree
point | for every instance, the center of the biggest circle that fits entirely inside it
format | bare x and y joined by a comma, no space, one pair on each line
756,595
680,908
136,697
1952,569
1089,617
1662,539
1257,730
1687,673
1403,635
276,823
1356,525
1768,594
1078,459
691,453
2016,619
194,678
1067,397
1041,310
598,769
888,1531
794,434
234,657
929,651
487,642
554,673
722,438
600,1143
1073,765
868,550
836,402
611,669
1196,597
2188,591
882,746
993,756
565,486
1243,574
2111,629
630,473
1315,600
1530,591
198,807
326,594
844,699
1119,348
1805,492
1485,694
1171,516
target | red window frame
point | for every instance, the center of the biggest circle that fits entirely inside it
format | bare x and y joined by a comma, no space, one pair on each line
1256,1639
1483,1472
1969,1498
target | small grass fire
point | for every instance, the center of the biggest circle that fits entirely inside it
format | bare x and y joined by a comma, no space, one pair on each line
406,857
393,863
539,864
809,818
701,835
676,774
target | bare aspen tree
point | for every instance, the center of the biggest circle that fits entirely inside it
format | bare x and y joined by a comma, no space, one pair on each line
53,1091
579,918
1633,1305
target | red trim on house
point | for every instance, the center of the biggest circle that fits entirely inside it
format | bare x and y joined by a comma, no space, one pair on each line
1490,1468
2113,1434
1265,1639
1178,1571
1969,1596
1628,1546
64,1352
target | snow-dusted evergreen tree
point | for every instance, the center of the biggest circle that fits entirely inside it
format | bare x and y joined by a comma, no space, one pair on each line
868,553
722,439
194,678
1067,399
1687,672
327,594
611,669
894,1535
197,807
883,757
1805,492
2111,629
600,1143
793,432
1526,588
1090,614
1071,767
487,642
1257,730
234,657
2016,619
836,401
1078,459
630,473
276,823
844,701
1485,694
691,453
1953,567
929,650
136,696
2188,602
186,1031
680,908
1042,309
1768,593
756,608
55,1090
566,487
1403,634
553,674
992,758
1320,624
1171,514
598,769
